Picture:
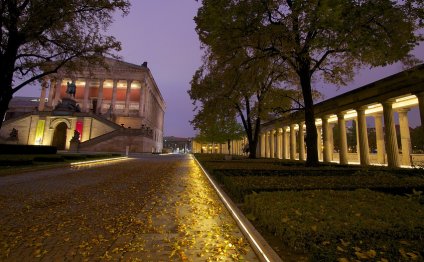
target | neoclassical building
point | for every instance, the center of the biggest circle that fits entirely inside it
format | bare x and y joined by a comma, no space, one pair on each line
115,106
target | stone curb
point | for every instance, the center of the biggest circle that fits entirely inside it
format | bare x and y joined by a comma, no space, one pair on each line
262,249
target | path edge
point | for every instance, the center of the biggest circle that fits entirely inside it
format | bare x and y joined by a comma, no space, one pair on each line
262,249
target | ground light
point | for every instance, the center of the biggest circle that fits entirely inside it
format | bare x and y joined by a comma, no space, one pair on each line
99,161
264,252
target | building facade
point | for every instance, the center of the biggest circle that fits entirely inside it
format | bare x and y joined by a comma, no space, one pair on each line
116,105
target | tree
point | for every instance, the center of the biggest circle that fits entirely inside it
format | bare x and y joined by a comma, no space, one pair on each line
238,89
55,32
317,39
417,139
216,128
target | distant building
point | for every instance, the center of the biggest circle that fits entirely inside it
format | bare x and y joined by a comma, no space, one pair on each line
113,107
177,144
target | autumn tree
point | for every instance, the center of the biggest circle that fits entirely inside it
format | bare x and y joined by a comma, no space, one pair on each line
216,126
36,32
240,88
317,39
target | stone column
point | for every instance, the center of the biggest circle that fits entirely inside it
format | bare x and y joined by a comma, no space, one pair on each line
342,138
127,97
420,97
85,104
379,134
319,142
292,142
363,137
272,143
114,91
100,97
267,149
279,143
285,142
57,91
51,92
42,95
391,141
405,136
141,101
263,138
358,146
327,139
301,137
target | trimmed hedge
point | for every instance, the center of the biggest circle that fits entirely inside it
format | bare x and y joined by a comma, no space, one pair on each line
343,225
16,162
239,186
26,149
55,158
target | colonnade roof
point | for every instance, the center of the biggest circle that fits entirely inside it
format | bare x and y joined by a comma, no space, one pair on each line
408,82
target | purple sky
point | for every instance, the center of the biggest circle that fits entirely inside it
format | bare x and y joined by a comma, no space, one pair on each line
162,33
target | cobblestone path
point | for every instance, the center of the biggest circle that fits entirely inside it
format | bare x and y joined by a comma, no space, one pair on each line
146,209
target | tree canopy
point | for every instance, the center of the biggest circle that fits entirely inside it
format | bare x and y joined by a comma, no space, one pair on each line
36,32
238,88
316,39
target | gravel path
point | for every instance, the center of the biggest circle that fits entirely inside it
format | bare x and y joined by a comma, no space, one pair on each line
143,209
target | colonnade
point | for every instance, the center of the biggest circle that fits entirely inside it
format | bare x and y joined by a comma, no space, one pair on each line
236,147
55,86
276,139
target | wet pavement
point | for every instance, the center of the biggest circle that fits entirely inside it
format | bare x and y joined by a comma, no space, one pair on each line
159,208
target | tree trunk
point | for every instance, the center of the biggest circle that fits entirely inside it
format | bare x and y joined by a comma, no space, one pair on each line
5,98
311,130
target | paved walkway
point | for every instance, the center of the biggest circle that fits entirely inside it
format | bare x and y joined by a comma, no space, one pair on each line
158,208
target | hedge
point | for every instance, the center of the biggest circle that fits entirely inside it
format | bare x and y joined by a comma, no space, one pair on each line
26,149
343,225
239,186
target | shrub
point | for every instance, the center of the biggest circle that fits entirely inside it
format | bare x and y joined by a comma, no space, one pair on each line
331,225
16,162
49,159
26,149
239,186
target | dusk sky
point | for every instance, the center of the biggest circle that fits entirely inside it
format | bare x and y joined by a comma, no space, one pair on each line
162,32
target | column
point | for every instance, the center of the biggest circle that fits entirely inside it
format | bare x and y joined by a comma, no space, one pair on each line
57,93
342,138
363,137
391,141
358,146
127,97
279,143
326,138
114,90
405,136
319,142
42,95
141,101
292,142
272,143
51,92
100,97
263,137
420,97
267,149
285,142
301,137
381,151
85,105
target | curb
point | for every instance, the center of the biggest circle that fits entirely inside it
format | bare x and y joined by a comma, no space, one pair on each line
262,249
